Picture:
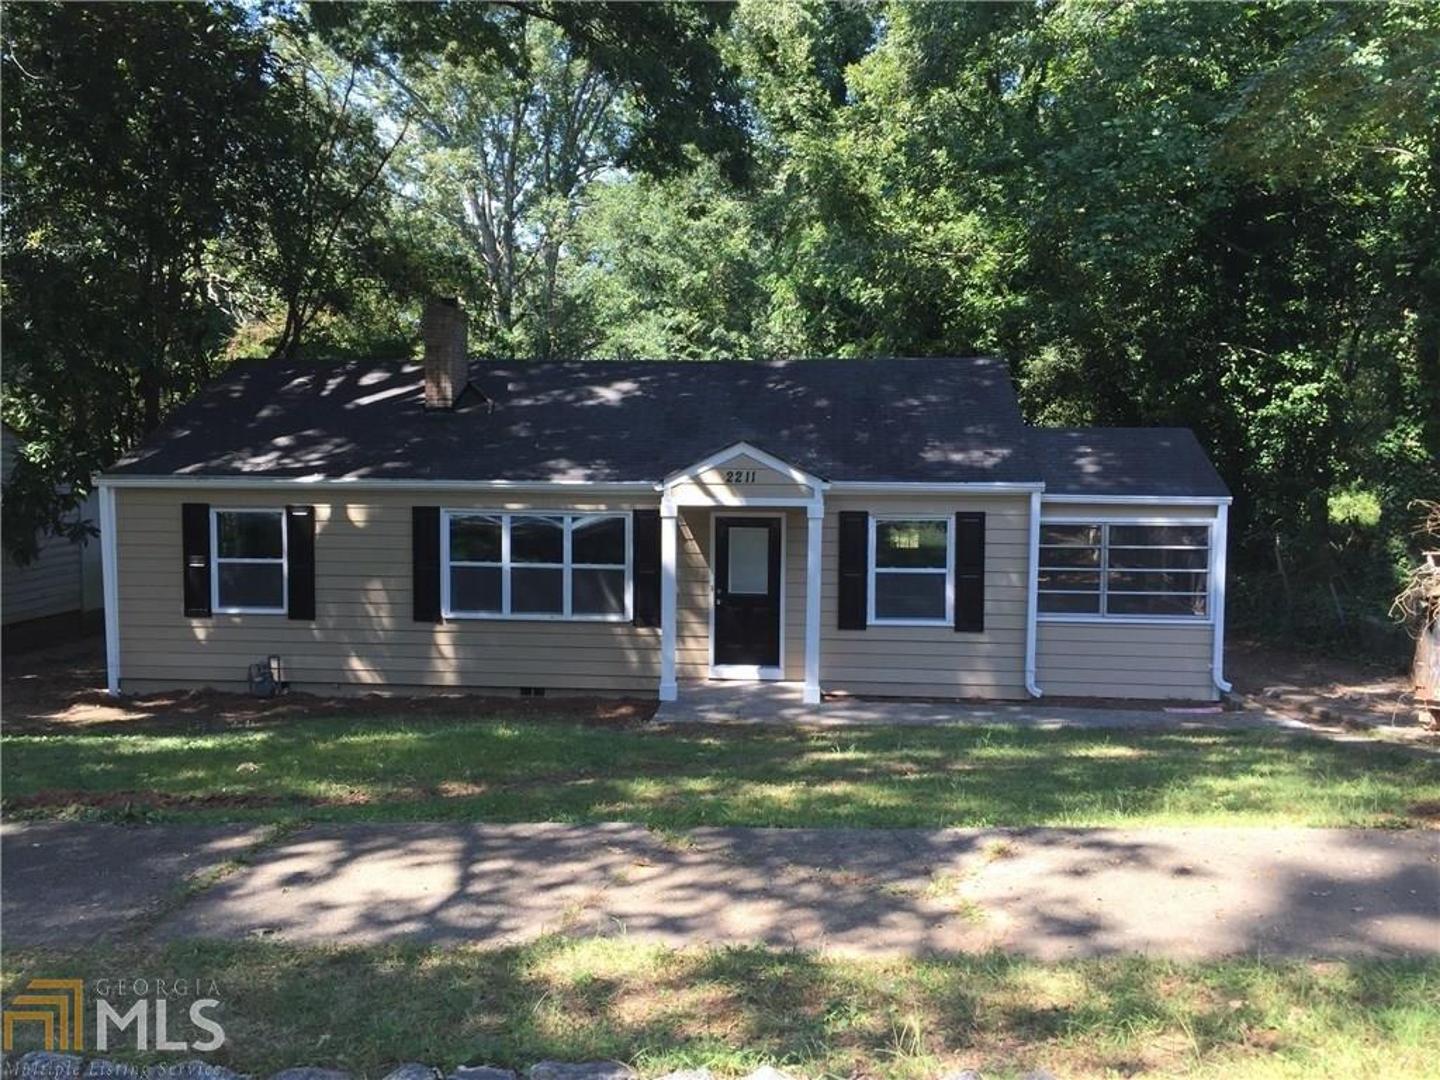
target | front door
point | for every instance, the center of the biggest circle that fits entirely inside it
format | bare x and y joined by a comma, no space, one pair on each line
747,591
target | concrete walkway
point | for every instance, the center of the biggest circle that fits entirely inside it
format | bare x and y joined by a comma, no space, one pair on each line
1048,893
782,703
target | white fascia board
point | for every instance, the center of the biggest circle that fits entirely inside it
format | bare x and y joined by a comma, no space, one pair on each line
313,483
883,487
744,449
1144,500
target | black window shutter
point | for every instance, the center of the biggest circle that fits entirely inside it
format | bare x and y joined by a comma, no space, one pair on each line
425,556
645,540
300,549
854,569
195,540
970,572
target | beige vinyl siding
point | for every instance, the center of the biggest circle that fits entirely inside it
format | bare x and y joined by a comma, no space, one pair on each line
695,591
1130,660
692,595
364,635
934,661
711,485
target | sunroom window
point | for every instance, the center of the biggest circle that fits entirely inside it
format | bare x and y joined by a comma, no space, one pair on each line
248,570
910,570
1118,569
541,566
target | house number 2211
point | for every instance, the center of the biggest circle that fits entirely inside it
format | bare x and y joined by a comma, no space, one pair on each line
739,476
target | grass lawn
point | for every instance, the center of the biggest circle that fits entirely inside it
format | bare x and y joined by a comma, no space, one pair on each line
379,768
365,1010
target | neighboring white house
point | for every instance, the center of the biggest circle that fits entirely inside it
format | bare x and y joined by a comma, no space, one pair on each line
58,594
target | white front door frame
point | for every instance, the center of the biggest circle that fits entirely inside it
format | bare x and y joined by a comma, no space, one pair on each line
737,503
749,672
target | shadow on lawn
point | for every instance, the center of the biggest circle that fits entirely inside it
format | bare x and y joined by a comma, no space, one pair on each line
367,1010
394,769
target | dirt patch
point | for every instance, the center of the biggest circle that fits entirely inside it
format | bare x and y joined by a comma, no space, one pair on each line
142,800
1318,681
61,690
460,789
1427,811
1252,666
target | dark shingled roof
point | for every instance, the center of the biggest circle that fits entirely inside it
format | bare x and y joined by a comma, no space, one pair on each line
1123,461
899,420
930,419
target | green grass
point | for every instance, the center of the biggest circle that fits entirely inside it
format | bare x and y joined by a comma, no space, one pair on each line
378,769
366,1009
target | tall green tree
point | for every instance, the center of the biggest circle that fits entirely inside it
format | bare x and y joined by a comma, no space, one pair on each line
1214,215
664,56
672,267
318,182
165,166
500,164
125,136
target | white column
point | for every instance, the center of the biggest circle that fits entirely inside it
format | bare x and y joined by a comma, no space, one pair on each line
110,583
814,529
669,545
1219,542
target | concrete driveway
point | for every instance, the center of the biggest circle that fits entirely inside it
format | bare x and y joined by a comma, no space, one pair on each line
67,884
1047,893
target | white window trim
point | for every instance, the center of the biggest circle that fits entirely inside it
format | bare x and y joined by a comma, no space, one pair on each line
1208,619
871,569
566,568
216,560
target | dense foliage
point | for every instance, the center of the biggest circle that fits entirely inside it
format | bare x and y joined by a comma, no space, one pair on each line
1220,216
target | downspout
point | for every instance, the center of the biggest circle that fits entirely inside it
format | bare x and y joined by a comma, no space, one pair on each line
109,582
1218,546
1032,587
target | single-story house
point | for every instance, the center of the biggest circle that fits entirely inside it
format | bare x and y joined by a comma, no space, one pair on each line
879,527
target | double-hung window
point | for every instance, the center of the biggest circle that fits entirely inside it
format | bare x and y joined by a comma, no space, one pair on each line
248,563
1124,570
911,563
536,566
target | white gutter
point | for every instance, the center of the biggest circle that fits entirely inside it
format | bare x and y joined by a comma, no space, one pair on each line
111,585
1144,500
595,486
311,483
1032,595
937,488
1219,544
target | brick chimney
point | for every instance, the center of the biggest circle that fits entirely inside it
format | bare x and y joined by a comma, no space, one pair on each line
447,368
